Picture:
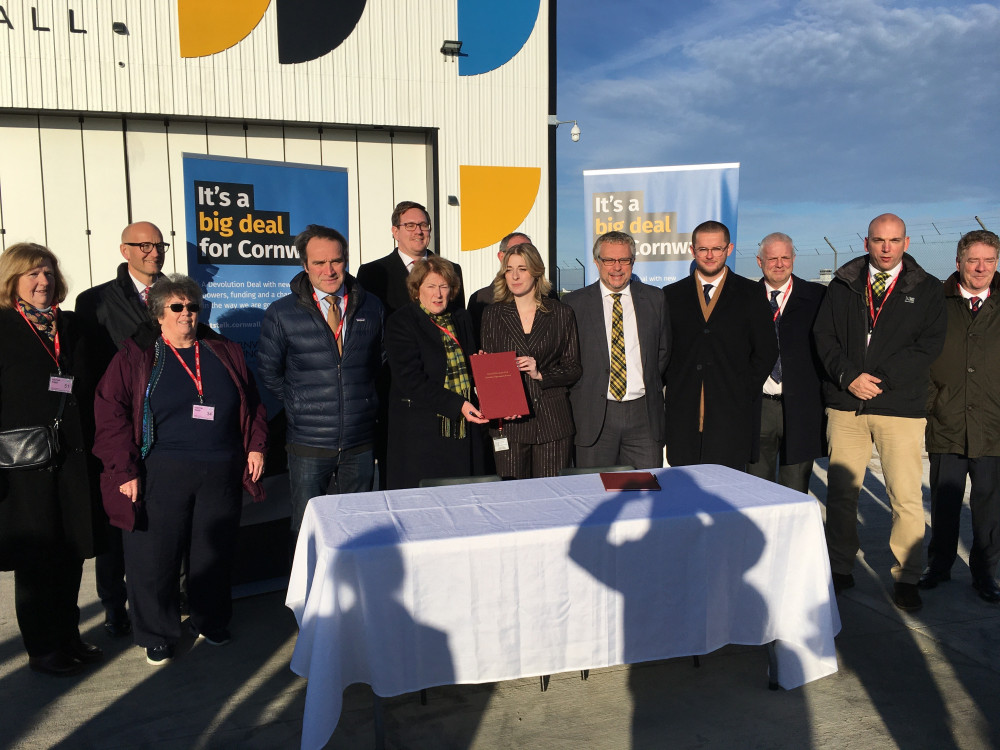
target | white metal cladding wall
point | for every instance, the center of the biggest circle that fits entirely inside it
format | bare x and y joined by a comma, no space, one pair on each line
389,72
70,182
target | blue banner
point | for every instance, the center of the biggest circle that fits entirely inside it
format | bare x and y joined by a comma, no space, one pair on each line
659,206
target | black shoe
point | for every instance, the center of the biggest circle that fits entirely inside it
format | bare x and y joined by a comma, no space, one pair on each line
906,597
159,655
116,623
988,589
87,653
56,664
932,578
842,581
216,638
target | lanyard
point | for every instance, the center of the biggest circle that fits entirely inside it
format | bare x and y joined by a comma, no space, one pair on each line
197,367
872,312
340,325
55,343
784,301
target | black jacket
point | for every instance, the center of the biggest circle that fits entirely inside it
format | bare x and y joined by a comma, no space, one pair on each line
329,399
111,313
386,279
908,337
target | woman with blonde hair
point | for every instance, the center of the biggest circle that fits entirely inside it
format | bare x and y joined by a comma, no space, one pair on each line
542,333
49,515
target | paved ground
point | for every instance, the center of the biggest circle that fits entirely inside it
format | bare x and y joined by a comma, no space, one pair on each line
926,681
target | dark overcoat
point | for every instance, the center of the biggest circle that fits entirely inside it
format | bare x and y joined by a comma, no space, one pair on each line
48,509
386,279
417,450
730,356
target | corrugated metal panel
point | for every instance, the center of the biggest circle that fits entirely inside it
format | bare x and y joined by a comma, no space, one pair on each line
149,175
182,138
374,200
340,149
107,199
21,194
265,142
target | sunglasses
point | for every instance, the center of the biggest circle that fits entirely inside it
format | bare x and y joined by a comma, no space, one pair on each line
192,307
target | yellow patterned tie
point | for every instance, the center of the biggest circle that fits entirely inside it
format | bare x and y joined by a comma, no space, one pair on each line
878,284
617,386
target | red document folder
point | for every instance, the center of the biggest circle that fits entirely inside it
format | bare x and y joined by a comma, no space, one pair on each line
499,386
615,481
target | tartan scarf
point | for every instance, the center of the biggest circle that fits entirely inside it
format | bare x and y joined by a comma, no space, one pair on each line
456,376
43,320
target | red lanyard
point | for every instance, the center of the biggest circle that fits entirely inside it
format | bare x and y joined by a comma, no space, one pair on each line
340,325
784,301
55,343
871,300
445,330
197,366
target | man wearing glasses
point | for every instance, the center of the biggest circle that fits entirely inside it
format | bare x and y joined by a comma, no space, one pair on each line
113,312
618,401
724,347
386,277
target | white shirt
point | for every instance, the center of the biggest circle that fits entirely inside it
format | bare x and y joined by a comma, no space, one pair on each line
634,386
770,387
408,261
140,286
324,307
969,295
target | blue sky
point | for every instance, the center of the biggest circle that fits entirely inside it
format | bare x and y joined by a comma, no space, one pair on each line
837,112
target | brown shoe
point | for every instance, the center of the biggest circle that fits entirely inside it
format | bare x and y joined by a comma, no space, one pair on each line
56,664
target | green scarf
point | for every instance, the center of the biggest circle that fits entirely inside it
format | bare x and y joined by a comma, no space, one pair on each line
456,376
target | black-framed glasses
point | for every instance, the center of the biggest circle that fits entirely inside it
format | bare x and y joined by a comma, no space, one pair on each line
192,307
612,262
409,226
148,247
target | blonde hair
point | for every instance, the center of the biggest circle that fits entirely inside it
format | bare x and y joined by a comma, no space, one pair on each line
18,260
536,267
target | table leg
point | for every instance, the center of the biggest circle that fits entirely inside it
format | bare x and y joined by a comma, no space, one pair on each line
543,682
772,667
379,719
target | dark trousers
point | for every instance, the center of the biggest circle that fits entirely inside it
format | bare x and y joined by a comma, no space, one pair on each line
948,475
45,600
772,436
312,476
625,439
527,460
187,506
109,571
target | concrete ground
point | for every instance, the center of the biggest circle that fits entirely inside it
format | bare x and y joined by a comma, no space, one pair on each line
929,680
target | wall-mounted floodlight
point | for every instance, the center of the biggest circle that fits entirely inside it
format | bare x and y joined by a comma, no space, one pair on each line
119,28
574,132
451,48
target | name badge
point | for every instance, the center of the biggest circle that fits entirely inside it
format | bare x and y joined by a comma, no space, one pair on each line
203,411
61,384
500,444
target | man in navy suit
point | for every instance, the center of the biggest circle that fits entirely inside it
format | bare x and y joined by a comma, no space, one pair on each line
791,420
723,350
618,408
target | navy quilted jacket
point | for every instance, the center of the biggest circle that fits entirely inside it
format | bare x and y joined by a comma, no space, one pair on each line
329,399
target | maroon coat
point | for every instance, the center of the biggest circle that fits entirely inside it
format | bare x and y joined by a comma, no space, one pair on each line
118,411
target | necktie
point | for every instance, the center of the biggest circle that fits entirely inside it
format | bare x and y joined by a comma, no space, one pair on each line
617,386
145,296
878,284
333,320
976,303
776,370
708,293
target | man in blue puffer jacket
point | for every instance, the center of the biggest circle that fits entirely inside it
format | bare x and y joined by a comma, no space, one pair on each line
320,351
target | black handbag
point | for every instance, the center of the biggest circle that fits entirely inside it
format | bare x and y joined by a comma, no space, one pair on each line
31,447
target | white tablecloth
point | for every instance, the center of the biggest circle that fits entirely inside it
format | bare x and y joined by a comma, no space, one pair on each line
411,589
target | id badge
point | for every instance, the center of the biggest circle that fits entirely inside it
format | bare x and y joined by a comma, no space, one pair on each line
203,411
61,383
500,444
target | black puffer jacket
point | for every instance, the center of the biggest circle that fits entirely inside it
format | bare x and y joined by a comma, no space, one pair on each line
329,399
906,340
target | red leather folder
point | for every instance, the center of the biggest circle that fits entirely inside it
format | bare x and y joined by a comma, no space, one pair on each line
616,481
499,386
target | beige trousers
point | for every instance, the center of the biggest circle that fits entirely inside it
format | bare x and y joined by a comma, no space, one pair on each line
899,442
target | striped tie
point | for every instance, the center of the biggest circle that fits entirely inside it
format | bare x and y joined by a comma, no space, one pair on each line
617,386
976,302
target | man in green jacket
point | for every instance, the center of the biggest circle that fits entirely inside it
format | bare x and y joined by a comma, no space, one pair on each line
963,424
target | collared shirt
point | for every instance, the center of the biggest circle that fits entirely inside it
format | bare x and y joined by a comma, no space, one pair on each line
770,387
872,270
714,283
324,307
408,261
634,385
140,286
969,295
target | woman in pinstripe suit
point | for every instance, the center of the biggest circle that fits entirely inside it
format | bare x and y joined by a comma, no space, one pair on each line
542,333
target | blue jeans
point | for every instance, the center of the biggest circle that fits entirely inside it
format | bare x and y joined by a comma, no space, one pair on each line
311,477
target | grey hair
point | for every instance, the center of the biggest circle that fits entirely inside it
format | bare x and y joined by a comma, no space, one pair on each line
614,238
505,242
774,237
174,285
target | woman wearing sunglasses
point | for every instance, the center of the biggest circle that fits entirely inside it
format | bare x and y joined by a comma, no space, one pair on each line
181,432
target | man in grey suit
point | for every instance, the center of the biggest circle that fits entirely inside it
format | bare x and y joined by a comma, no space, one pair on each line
618,401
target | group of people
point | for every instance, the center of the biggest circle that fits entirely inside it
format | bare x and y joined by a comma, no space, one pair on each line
162,420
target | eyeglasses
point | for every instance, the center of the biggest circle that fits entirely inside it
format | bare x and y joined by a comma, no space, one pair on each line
711,250
413,225
612,262
148,247
192,307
